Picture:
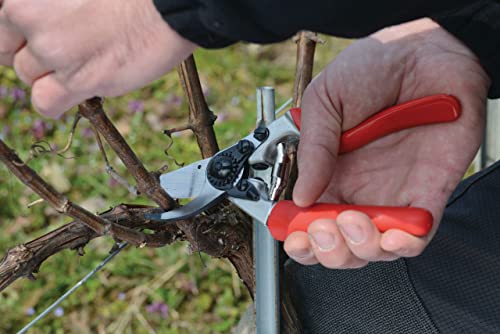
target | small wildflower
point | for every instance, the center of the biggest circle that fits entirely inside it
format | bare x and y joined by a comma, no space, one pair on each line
190,287
59,312
18,94
136,106
159,308
113,183
87,132
175,100
39,129
235,100
121,296
30,311
221,117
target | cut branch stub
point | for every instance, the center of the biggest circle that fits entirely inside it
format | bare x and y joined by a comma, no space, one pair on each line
201,118
306,46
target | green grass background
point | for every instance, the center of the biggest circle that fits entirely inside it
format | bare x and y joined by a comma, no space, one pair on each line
203,295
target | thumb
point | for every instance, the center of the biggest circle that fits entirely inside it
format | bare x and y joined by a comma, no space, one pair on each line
319,142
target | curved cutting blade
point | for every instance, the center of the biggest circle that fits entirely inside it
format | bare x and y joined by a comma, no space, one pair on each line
204,201
186,182
189,182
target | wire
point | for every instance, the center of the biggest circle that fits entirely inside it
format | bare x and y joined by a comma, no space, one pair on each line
283,106
76,286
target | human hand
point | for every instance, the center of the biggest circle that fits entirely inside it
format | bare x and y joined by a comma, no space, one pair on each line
73,50
416,167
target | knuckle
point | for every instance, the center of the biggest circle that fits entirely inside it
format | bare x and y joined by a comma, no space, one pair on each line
44,45
373,253
81,79
19,13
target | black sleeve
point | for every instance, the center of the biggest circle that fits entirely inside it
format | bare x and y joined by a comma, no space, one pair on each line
218,23
478,26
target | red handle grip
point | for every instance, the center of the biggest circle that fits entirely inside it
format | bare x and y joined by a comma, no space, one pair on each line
286,218
431,109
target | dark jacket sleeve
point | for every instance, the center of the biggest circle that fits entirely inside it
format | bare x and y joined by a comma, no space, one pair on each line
478,26
219,23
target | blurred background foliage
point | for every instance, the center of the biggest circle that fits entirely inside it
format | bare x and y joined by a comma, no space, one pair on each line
167,290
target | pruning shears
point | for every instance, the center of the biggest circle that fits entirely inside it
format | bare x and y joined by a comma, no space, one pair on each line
251,173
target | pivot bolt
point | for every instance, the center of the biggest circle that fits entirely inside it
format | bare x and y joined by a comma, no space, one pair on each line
222,168
244,146
261,133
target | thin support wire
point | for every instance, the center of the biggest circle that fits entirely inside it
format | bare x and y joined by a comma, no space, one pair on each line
76,286
283,106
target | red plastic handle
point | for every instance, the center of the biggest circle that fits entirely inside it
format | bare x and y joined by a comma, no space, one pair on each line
431,109
286,218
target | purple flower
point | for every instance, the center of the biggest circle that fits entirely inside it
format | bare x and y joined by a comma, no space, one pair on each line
39,129
113,183
121,296
18,94
136,106
87,132
159,308
221,117
29,311
235,100
4,91
190,287
59,312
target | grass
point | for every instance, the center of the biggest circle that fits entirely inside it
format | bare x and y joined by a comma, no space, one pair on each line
167,290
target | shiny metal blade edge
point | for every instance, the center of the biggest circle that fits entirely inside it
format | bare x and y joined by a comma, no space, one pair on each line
186,182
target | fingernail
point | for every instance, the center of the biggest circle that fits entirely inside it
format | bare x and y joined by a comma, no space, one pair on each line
324,240
353,232
303,253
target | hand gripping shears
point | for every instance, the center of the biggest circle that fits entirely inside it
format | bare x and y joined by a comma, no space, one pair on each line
250,173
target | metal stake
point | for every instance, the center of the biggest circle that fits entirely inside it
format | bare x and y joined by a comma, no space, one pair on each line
491,143
266,249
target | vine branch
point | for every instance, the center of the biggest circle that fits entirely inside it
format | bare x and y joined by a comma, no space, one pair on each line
201,118
147,182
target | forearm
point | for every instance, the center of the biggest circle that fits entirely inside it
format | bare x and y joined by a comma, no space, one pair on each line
218,23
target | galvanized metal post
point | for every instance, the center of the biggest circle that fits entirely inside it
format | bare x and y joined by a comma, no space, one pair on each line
491,144
266,249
